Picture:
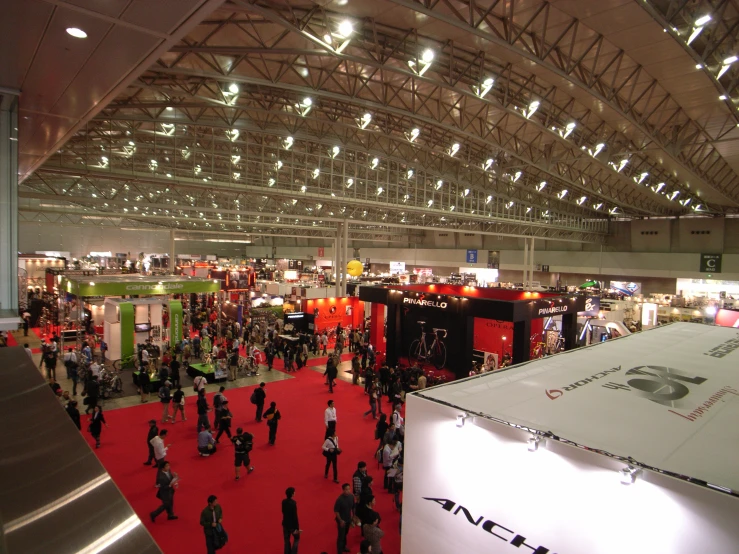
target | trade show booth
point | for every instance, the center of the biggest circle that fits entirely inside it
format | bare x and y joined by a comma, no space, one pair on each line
493,321
624,446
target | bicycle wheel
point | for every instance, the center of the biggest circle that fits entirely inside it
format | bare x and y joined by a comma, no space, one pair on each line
117,365
414,354
438,358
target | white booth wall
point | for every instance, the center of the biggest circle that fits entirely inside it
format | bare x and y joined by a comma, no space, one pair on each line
478,489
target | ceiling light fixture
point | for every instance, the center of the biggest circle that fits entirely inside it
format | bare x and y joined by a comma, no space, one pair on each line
409,174
349,183
540,186
466,192
453,149
567,131
488,199
517,176
439,184
562,194
725,65
487,164
288,143
235,159
482,89
581,200
271,182
531,110
316,173
628,475
334,152
698,27
278,165
305,106
598,206
365,120
233,88
673,195
598,149
374,163
379,191
640,179
413,134
425,62
233,134
76,32
430,203
658,188
509,204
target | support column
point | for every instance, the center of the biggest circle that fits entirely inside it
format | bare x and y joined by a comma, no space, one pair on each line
531,261
9,202
521,341
525,262
337,247
346,257
569,330
172,255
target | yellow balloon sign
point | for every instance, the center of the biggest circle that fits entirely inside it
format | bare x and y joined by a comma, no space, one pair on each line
354,268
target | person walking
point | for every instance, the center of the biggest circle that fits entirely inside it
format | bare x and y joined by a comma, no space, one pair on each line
374,535
331,451
324,343
97,420
174,372
243,443
224,423
259,395
178,403
218,399
332,372
210,518
165,398
329,419
74,413
199,383
153,432
344,515
70,359
359,480
166,484
93,393
290,525
144,384
203,410
160,449
372,403
356,369
273,417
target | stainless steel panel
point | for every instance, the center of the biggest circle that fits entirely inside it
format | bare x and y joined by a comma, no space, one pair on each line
55,496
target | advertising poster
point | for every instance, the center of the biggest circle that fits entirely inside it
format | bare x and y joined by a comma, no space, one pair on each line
330,312
397,267
627,287
592,306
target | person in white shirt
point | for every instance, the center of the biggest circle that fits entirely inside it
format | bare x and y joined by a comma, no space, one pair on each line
398,420
199,383
324,343
389,454
144,357
95,369
331,451
214,352
160,450
28,351
329,419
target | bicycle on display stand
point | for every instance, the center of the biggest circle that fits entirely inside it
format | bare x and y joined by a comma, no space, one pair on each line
434,353
539,347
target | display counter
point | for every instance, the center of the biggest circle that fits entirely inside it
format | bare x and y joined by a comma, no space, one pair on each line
208,371
154,382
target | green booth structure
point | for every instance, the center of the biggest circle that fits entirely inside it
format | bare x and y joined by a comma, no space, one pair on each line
134,308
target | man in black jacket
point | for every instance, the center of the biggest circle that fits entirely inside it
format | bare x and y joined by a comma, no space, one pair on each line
93,393
203,410
273,416
153,432
259,397
166,482
74,413
290,526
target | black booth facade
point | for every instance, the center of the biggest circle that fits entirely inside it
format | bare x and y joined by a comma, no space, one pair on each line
455,310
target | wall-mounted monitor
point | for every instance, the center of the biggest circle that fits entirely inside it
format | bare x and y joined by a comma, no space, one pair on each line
142,327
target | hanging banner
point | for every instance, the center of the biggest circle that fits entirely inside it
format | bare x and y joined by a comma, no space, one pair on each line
137,287
592,306
710,263
175,321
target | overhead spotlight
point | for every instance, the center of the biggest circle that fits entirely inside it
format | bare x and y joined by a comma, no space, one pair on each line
288,143
528,210
76,33
430,203
658,188
628,475
345,28
531,110
466,192
316,173
271,182
233,88
278,165
233,134
453,149
305,106
722,97
153,165
482,89
598,149
197,169
686,201
598,206
237,176
562,194
365,120
349,182
461,418
487,164
235,159
439,184
303,188
488,199
673,195
451,208
540,186
413,134
533,443
725,66
379,191
374,163
698,27
334,152
581,200
425,62
517,176
567,131
698,208
641,178
617,167
613,210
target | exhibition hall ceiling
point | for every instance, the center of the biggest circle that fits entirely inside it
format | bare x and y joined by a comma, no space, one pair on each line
523,117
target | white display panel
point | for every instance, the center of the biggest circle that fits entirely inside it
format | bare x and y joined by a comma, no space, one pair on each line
492,495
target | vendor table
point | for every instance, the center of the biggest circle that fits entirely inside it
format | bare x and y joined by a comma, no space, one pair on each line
207,371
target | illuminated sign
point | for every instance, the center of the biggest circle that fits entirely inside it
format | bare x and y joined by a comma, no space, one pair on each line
426,303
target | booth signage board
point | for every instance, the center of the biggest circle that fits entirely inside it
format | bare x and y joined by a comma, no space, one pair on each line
137,287
711,263
633,288
471,256
592,306
397,267
667,397
549,307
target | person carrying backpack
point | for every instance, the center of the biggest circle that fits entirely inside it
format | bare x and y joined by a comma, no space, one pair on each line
257,398
218,401
243,443
165,398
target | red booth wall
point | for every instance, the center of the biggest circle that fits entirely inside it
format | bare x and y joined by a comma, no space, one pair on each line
489,335
332,311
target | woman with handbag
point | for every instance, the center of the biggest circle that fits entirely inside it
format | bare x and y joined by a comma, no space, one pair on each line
211,518
331,451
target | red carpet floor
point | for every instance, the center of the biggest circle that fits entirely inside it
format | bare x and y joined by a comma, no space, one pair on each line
251,506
